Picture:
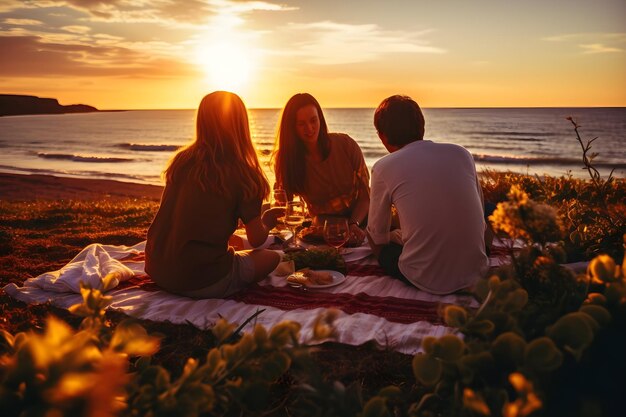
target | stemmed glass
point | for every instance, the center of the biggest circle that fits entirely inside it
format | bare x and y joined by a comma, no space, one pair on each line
294,217
279,200
336,232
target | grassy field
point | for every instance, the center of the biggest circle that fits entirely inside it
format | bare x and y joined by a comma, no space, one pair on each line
42,234
37,236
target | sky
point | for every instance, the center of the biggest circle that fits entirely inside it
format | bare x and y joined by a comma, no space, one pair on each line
166,54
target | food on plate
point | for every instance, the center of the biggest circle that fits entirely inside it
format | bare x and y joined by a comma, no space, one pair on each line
312,234
310,277
317,258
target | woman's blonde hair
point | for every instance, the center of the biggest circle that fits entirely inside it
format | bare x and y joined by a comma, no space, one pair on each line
222,153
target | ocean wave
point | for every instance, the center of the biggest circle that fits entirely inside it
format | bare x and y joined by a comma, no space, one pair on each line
80,158
558,161
261,143
374,154
148,148
506,134
145,179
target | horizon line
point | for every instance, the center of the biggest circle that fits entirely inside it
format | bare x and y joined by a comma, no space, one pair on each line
370,108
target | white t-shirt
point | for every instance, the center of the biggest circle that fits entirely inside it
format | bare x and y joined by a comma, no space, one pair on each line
436,192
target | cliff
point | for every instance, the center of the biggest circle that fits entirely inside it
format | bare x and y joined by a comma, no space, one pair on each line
12,104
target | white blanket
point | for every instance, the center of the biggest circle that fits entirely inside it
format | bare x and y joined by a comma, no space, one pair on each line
356,326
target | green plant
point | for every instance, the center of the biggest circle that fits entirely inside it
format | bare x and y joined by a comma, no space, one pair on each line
63,372
537,324
317,258
497,369
592,213
588,158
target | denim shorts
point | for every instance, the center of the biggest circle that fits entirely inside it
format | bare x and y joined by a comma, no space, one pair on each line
240,276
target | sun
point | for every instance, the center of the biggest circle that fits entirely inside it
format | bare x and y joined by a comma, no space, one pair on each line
227,64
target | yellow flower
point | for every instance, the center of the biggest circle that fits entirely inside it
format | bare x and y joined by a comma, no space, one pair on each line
522,218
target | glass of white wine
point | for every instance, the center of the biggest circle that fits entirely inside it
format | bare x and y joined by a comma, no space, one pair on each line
294,217
279,200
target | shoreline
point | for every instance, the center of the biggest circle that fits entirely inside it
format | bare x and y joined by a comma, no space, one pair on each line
32,187
25,187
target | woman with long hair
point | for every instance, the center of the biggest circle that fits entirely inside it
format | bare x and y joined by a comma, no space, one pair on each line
210,185
326,169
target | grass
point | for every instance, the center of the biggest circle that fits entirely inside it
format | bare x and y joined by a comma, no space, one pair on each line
39,236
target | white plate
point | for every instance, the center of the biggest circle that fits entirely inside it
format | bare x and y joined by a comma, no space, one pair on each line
338,278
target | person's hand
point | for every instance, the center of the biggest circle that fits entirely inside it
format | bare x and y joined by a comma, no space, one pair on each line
270,216
357,236
395,236
236,242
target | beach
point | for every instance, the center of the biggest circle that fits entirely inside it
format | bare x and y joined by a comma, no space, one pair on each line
20,187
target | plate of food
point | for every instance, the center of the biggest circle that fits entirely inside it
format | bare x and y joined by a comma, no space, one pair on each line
317,258
311,278
312,234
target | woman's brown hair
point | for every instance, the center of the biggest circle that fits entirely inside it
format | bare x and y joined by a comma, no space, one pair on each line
289,152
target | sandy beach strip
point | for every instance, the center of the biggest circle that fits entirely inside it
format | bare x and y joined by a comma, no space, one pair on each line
19,187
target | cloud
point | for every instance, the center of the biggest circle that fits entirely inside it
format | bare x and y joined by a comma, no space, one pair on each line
8,5
330,43
250,6
617,36
23,22
598,48
58,46
31,57
592,43
76,29
185,13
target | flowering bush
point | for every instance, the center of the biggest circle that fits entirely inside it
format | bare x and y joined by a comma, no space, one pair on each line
63,372
523,218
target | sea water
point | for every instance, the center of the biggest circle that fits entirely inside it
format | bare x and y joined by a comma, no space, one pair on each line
136,145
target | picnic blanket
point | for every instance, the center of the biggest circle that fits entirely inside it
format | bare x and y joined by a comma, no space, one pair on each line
371,305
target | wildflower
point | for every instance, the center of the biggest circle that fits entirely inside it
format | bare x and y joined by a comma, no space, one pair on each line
527,401
522,218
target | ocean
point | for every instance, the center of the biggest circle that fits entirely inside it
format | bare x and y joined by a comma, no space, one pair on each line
134,146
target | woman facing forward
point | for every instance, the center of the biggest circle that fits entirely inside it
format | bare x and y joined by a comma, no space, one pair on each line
210,185
326,169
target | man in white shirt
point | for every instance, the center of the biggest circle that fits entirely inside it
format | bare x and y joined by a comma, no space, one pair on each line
440,246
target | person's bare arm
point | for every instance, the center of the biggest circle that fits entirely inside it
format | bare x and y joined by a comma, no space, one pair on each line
359,213
258,228
362,205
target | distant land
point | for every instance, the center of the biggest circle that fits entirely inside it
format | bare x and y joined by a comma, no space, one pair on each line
13,105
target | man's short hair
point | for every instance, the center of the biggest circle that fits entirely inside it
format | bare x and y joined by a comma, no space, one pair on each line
400,119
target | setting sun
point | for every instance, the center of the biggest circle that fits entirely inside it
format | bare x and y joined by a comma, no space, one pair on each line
227,65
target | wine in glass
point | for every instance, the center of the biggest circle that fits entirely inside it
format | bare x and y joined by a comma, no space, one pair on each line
294,217
336,232
279,200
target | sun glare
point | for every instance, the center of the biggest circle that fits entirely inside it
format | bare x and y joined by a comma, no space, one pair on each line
227,65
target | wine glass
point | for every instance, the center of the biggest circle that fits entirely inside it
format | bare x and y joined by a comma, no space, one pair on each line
336,232
279,200
294,217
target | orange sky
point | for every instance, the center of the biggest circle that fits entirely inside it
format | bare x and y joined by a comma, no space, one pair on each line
456,53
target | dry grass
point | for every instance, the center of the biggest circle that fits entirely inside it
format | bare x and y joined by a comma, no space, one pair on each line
42,235
39,236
